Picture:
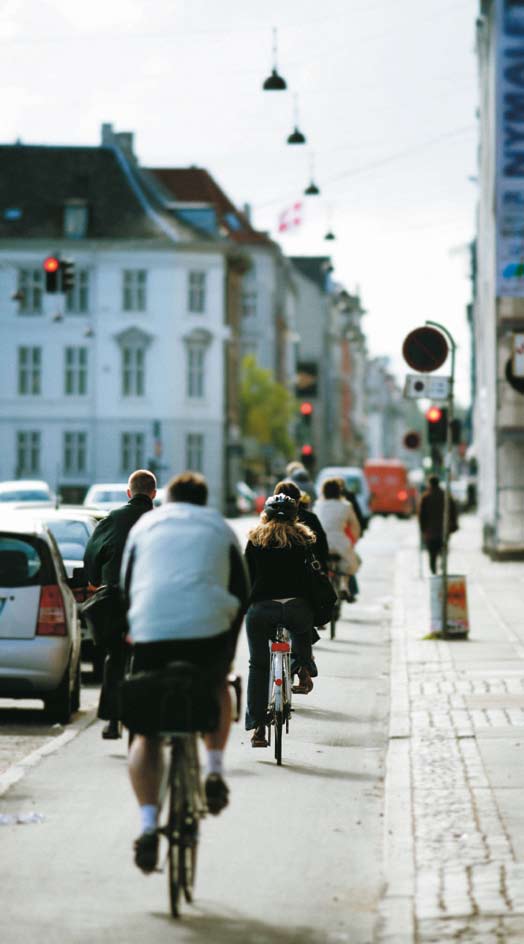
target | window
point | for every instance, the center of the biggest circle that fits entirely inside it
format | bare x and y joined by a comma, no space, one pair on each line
196,301
31,286
134,290
133,364
75,371
195,452
27,453
77,301
74,459
132,452
249,303
75,219
29,371
195,371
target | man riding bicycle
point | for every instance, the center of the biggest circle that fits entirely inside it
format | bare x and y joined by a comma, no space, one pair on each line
187,588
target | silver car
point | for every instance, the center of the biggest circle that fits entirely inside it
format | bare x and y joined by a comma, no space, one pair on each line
39,629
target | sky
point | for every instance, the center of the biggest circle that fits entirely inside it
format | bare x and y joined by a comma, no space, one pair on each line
385,93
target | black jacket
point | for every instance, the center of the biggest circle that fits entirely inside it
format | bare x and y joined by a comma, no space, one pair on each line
105,548
321,548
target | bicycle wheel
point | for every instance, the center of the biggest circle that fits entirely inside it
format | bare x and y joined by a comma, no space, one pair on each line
279,721
176,805
188,859
190,830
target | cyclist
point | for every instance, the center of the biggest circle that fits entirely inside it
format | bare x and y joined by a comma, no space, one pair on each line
307,517
187,588
102,560
336,515
275,555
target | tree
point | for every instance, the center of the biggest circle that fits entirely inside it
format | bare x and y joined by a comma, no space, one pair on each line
267,408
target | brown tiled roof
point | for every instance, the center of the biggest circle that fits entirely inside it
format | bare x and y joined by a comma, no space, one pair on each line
38,180
195,185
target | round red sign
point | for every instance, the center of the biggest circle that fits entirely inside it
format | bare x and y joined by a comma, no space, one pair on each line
425,349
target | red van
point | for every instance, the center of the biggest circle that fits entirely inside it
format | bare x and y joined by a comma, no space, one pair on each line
389,487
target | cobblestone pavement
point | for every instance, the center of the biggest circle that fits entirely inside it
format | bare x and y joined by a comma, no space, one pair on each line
454,814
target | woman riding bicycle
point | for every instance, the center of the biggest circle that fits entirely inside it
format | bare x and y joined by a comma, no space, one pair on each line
275,555
337,517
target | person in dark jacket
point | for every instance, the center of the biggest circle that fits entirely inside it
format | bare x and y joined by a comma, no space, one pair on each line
431,520
275,555
102,561
297,473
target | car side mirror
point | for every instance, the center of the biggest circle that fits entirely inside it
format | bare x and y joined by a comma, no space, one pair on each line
79,578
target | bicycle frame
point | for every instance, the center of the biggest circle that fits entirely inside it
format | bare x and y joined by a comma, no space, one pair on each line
280,691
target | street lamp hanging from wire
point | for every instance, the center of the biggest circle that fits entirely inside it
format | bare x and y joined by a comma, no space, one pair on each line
296,136
274,82
312,190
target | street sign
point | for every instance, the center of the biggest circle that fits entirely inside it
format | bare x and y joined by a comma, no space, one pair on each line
518,355
420,386
425,349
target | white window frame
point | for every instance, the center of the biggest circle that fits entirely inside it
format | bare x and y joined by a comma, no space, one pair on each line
28,452
133,370
77,300
31,282
29,374
196,291
132,451
195,444
196,374
249,303
134,289
74,452
75,371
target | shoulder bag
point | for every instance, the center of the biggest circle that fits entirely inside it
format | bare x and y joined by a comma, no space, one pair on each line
105,616
321,593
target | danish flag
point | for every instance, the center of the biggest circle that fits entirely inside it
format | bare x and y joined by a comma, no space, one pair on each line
290,218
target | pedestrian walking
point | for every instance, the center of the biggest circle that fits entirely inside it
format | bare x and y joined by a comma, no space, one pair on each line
431,520
102,560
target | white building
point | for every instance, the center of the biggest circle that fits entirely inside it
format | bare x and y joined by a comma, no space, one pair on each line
498,309
128,370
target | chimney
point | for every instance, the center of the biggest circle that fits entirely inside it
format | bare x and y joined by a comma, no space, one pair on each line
108,138
246,209
124,140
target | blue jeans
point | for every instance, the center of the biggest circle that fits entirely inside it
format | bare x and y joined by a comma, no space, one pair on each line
261,621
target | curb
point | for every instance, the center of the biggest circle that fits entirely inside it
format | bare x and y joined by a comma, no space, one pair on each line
17,771
396,911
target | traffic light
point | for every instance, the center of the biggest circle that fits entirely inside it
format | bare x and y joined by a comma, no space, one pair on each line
52,269
306,412
307,454
437,424
67,269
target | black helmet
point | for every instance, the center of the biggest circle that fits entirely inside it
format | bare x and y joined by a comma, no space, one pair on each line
281,508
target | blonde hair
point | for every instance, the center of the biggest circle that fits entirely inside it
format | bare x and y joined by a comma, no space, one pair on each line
280,533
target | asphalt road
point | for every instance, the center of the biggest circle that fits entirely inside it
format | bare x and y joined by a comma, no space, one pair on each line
296,858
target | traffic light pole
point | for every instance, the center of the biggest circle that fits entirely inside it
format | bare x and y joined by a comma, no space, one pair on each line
447,476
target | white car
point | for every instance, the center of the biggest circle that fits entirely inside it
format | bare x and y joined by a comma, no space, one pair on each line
29,493
107,496
39,628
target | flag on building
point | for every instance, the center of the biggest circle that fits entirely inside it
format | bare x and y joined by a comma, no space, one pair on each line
290,218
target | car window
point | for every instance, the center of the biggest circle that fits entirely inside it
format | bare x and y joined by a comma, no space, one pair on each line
71,551
109,496
21,564
25,495
354,484
69,532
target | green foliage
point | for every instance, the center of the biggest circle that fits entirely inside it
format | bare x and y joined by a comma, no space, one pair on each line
267,408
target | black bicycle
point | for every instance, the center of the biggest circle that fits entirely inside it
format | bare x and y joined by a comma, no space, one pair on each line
186,802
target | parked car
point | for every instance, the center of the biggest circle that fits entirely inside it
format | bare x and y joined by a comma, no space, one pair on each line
39,628
26,492
389,487
354,481
106,496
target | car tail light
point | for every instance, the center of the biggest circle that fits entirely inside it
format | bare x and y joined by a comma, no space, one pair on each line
402,495
280,647
51,615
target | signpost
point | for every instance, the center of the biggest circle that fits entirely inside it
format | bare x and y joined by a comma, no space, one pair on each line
419,386
425,349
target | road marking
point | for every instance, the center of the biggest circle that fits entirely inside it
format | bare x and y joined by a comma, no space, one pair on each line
15,773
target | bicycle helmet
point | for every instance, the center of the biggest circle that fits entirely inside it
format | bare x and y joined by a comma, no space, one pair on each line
281,508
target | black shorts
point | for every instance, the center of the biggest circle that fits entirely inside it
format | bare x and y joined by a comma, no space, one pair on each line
214,654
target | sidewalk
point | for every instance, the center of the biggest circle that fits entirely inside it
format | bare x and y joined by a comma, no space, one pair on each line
454,820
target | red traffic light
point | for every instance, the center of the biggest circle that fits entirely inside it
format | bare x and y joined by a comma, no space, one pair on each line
434,414
307,450
306,408
51,264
